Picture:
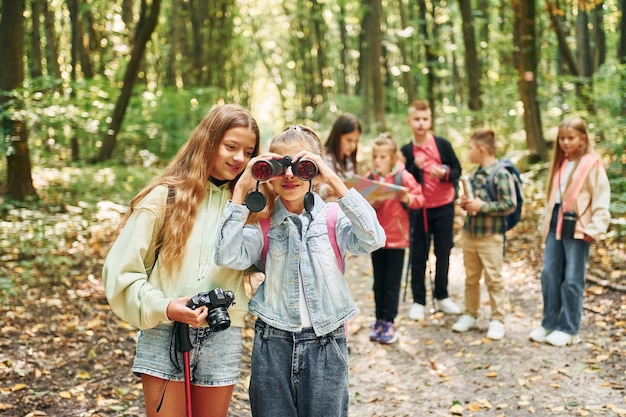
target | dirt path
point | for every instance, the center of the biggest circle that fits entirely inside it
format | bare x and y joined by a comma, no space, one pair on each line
432,368
64,353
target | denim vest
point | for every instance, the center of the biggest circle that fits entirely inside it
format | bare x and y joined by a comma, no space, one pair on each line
299,249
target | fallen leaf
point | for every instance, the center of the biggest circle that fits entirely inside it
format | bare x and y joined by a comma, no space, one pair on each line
18,387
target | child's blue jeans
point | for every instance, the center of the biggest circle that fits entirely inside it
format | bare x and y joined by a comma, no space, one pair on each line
298,374
563,283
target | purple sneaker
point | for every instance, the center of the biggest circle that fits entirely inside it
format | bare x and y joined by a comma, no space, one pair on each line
376,331
389,334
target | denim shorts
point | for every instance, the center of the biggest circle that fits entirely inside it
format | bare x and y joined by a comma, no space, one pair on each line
214,360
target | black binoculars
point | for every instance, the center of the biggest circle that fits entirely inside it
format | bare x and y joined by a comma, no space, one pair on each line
265,169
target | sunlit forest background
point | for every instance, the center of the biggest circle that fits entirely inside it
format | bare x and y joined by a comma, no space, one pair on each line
98,94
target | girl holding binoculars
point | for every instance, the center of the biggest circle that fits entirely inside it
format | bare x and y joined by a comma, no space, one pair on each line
300,357
576,215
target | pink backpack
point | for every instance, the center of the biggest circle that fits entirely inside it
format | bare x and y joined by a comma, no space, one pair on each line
331,222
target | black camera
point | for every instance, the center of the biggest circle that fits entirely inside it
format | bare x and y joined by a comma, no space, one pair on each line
569,225
217,301
265,169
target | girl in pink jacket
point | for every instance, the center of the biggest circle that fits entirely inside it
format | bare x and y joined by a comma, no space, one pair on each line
393,215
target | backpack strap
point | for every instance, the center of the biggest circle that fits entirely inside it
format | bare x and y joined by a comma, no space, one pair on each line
491,180
491,191
171,196
331,222
265,226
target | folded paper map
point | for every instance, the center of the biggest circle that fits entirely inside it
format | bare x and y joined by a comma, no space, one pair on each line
375,190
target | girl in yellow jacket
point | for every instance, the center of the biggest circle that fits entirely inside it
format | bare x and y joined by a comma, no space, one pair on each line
576,215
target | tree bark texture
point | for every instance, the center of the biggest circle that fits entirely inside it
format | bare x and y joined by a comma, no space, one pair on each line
375,64
431,58
51,49
35,55
406,75
19,183
526,63
145,28
472,65
19,178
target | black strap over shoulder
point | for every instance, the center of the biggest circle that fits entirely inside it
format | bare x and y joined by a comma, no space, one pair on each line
171,196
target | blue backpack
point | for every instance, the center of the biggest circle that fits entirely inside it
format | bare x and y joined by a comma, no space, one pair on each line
511,219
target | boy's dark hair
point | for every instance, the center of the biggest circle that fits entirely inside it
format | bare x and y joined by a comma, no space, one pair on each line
485,137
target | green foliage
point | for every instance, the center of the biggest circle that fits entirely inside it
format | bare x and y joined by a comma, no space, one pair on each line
48,239
155,125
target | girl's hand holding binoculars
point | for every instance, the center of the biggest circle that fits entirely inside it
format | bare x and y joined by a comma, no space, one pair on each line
325,173
246,182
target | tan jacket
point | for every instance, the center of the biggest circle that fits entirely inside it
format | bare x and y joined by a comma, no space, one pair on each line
591,204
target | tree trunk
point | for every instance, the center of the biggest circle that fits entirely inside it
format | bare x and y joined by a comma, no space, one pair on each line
79,52
175,29
375,64
19,178
431,58
583,44
343,47
561,37
145,27
19,183
364,83
51,50
599,37
319,28
406,75
621,53
526,64
472,65
198,13
35,55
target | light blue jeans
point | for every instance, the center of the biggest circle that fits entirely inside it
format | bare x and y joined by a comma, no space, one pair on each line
563,283
298,374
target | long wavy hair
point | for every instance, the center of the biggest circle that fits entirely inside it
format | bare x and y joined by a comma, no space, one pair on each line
345,123
574,123
188,174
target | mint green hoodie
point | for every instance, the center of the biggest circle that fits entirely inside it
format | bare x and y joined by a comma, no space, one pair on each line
139,295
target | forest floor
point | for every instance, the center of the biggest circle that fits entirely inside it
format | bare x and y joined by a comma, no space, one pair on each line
63,353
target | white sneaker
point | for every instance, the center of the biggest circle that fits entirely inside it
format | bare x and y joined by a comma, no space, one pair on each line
416,312
448,306
464,323
496,330
539,334
559,338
